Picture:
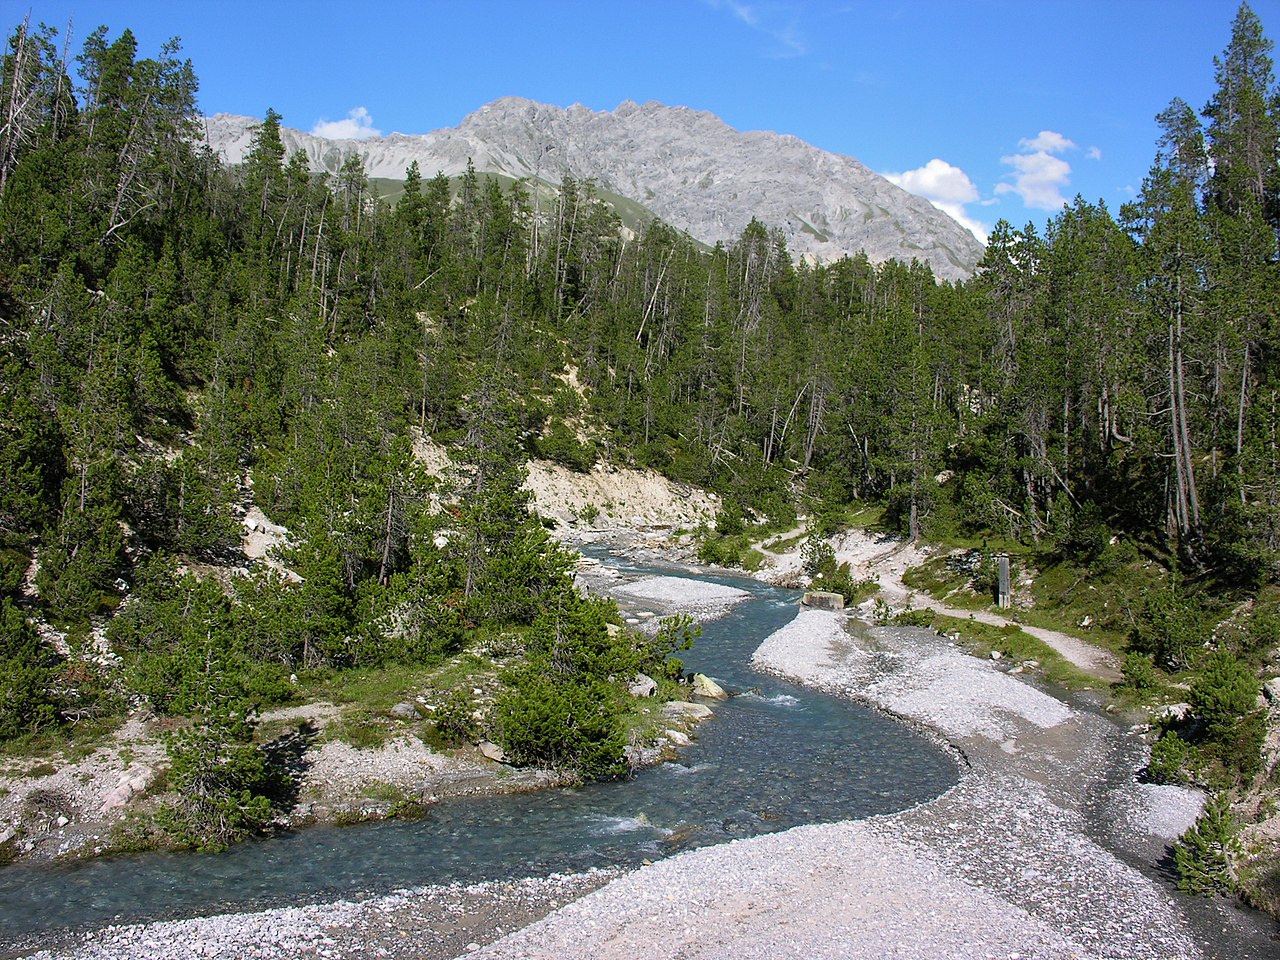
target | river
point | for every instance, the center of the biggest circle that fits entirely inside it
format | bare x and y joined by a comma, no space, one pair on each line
775,756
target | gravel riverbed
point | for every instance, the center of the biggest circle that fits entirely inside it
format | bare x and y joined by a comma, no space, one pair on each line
1032,854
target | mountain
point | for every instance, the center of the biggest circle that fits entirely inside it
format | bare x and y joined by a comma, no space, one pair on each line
686,166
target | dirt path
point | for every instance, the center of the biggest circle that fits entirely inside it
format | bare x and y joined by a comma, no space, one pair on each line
887,559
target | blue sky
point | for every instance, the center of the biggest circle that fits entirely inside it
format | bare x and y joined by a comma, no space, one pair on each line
993,108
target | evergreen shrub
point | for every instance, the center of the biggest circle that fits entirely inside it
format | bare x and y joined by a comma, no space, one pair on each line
1205,855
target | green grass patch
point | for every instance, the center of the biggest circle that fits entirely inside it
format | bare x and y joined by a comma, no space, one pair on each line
825,519
72,742
383,791
380,688
782,546
947,578
1015,644
361,729
1103,596
644,719
1095,602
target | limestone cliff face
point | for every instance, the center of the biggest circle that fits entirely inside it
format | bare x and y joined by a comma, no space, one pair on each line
687,167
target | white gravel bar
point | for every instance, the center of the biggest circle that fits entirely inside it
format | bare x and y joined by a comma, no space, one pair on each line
848,890
698,598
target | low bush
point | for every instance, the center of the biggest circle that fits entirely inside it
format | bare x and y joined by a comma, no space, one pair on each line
1169,757
571,727
1139,673
1205,855
227,789
455,718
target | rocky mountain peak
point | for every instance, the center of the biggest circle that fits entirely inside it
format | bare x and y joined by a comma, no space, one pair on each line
687,166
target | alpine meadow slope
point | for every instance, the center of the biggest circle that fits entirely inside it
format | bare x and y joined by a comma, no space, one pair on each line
686,166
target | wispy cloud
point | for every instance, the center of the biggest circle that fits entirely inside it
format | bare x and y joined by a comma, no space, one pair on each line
777,21
1094,153
948,188
357,126
1039,176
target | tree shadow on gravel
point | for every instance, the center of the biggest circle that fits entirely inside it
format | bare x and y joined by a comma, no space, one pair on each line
1166,868
287,756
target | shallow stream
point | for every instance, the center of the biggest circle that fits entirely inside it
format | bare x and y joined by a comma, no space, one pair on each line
775,756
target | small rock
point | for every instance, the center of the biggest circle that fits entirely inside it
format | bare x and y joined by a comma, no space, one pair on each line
677,737
1271,690
996,654
491,751
405,711
704,686
643,686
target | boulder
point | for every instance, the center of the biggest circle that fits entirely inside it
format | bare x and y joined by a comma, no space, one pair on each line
677,738
405,711
684,710
704,686
643,686
135,780
491,751
823,600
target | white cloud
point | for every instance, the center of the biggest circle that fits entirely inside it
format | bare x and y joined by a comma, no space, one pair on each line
357,126
937,180
1038,177
1094,153
948,188
1047,141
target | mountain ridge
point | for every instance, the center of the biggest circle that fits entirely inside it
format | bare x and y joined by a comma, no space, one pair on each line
687,166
